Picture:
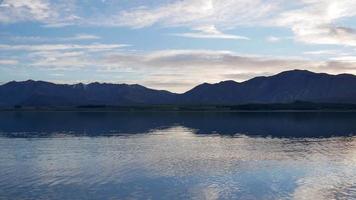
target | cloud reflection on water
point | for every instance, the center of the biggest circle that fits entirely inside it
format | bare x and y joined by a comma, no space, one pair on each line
176,163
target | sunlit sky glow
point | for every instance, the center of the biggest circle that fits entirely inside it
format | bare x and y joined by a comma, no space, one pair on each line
173,44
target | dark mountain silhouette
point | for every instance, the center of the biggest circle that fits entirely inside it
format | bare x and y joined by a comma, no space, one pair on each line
285,87
39,93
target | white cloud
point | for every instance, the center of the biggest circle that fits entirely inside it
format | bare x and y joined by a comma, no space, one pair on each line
273,39
210,32
77,37
344,59
197,13
331,54
311,21
8,62
316,22
83,37
60,56
19,10
63,62
322,52
56,47
44,11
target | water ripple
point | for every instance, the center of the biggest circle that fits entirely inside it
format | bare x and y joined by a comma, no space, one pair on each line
176,163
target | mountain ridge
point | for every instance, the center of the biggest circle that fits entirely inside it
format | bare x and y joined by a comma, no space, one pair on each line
284,87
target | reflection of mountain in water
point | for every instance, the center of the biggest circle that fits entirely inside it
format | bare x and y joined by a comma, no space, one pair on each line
34,124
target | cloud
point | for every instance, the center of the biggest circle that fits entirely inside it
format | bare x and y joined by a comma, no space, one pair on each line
83,37
311,21
344,59
244,76
197,13
273,39
322,52
17,10
60,60
316,22
8,62
190,13
44,11
176,70
63,56
56,47
77,37
332,54
67,63
207,58
192,67
210,32
60,56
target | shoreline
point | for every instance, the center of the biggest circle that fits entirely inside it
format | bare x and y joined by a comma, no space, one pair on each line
239,108
179,111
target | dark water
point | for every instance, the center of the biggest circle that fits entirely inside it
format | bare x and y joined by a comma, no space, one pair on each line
113,155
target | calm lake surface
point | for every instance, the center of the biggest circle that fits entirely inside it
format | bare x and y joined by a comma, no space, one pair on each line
119,155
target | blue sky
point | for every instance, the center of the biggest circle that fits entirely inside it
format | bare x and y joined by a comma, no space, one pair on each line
173,44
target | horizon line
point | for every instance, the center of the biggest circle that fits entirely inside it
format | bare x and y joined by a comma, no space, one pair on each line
113,83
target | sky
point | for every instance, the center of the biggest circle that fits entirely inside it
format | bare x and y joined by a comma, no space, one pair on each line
173,44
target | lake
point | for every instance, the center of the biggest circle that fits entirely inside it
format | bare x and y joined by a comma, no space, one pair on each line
172,155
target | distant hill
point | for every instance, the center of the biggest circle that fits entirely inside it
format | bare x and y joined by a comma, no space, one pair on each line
39,93
285,87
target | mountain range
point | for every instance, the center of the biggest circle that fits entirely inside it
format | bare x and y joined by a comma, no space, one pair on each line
285,87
